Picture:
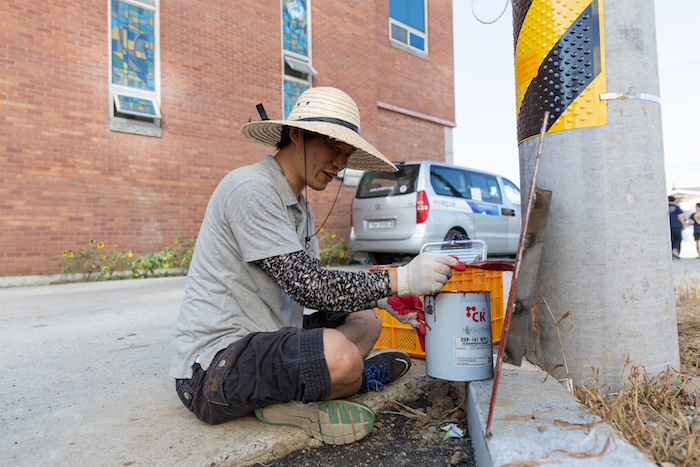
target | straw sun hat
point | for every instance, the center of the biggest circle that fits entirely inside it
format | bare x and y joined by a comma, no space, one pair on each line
326,111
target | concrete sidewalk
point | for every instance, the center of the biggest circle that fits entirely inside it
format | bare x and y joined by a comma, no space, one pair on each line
85,382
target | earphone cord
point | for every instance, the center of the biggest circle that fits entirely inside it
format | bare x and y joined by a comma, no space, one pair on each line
306,196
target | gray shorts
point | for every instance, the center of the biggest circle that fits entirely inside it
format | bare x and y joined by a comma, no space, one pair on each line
261,369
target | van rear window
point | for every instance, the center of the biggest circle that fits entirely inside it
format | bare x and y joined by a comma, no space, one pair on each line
381,184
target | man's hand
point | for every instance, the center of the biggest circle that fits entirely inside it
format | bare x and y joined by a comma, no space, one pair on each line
426,273
407,309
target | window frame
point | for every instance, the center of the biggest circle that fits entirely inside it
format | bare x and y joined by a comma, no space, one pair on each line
116,93
406,46
299,77
294,62
129,121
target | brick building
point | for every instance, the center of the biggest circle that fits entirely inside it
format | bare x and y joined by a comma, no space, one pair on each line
119,117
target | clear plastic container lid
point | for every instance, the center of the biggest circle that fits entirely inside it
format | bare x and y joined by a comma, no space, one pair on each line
467,251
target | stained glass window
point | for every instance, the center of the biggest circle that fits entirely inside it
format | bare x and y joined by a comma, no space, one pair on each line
292,91
136,106
134,75
133,46
295,26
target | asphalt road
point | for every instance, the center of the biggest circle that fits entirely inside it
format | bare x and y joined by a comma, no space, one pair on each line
85,380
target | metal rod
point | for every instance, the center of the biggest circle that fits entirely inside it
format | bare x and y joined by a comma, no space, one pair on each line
511,295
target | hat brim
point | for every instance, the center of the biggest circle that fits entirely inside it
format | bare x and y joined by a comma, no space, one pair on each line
365,156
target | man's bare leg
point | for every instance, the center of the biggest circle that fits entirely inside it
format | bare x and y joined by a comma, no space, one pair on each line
362,328
345,349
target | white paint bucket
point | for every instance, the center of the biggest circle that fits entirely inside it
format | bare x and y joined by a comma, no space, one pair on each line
458,336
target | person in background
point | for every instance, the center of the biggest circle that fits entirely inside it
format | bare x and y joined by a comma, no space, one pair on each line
677,220
241,345
694,220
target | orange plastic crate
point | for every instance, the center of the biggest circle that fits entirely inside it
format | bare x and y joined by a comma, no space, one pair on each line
396,335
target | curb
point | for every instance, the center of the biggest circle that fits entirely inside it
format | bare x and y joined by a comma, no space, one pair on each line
536,419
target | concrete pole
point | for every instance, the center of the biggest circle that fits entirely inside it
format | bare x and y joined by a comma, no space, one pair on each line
607,252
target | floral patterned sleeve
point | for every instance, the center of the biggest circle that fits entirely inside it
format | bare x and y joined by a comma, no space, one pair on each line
312,286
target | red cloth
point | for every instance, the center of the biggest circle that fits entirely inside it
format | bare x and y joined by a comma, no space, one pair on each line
460,266
411,304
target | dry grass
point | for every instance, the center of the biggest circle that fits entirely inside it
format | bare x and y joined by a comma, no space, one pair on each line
688,291
661,414
655,414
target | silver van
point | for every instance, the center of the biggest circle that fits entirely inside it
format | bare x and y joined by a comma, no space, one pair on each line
395,214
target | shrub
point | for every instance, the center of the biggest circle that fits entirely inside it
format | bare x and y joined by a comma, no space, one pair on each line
92,262
333,250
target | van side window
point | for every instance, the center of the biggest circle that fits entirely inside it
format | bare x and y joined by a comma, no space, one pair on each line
447,181
488,185
512,192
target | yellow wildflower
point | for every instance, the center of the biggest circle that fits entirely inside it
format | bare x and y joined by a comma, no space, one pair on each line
130,254
92,240
168,256
101,245
176,241
103,256
70,254
64,253
333,236
321,230
342,254
166,266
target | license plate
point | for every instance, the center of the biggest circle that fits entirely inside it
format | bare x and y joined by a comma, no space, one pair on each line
379,225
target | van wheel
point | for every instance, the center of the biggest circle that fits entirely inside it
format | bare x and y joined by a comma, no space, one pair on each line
456,234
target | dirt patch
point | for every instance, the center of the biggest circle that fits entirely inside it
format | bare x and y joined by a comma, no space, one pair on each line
405,434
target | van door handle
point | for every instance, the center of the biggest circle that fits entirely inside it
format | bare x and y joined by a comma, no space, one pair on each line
508,212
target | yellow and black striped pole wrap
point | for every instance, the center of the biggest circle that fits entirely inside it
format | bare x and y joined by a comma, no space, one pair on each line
559,64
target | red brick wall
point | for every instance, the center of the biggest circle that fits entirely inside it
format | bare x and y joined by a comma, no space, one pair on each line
65,177
419,139
417,84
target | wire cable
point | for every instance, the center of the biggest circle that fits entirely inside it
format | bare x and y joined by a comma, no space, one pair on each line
306,196
489,22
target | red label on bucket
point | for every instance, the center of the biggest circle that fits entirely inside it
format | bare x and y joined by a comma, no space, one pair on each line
478,317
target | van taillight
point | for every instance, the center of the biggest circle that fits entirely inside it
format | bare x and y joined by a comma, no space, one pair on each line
422,207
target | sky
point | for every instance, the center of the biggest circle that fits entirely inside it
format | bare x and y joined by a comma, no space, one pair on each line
485,136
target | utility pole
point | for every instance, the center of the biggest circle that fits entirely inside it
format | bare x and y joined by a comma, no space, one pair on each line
607,254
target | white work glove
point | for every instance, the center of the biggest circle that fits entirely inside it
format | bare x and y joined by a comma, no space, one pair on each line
426,273
407,309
